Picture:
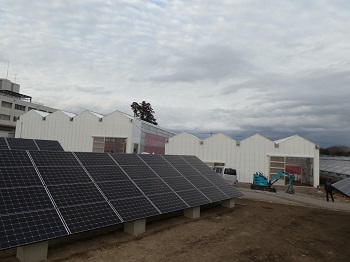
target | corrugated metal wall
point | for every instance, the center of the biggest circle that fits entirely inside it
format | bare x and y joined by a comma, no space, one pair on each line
247,156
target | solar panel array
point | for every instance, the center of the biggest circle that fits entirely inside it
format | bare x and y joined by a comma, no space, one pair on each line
29,144
44,195
337,165
343,186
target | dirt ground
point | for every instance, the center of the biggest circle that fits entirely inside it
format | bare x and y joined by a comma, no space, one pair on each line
252,231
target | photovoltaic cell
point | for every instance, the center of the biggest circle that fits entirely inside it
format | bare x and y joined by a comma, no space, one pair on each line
23,199
89,216
199,181
153,159
165,171
187,170
48,158
135,208
114,190
139,172
168,202
22,144
106,173
3,144
95,159
78,194
18,177
14,158
214,194
56,175
204,169
30,227
175,160
48,145
224,186
193,197
128,159
178,183
193,160
152,186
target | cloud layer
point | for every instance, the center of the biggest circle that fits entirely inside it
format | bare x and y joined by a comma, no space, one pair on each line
238,67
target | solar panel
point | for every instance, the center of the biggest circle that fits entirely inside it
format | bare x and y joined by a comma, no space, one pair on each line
56,175
194,197
93,190
77,194
14,158
3,144
204,169
115,190
199,181
128,159
152,186
89,216
134,208
168,202
95,159
214,194
139,172
106,173
343,186
165,171
178,183
18,177
48,158
21,144
29,227
153,159
175,160
27,214
48,145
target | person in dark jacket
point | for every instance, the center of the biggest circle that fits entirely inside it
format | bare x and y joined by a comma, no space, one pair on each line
328,187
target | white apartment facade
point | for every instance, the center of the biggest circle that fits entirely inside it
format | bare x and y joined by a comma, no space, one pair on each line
13,104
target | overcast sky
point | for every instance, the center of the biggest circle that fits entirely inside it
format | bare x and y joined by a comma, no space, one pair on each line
239,67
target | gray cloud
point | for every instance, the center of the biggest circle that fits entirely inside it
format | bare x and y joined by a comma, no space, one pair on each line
238,67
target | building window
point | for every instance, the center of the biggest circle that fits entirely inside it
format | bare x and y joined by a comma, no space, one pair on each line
31,108
4,117
6,104
20,107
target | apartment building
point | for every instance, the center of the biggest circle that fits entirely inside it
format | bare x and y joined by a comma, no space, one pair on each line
13,104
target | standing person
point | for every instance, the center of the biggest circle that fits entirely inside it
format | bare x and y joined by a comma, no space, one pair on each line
329,189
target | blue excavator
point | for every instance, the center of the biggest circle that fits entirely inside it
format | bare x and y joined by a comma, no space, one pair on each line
260,182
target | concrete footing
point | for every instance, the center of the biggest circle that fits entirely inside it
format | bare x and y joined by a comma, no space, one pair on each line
135,227
194,212
230,203
33,253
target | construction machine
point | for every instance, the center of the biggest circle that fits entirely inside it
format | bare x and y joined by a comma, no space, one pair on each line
260,182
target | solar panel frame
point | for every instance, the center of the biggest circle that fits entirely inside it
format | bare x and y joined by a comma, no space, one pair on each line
21,144
48,145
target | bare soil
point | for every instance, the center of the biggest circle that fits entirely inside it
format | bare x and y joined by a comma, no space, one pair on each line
252,231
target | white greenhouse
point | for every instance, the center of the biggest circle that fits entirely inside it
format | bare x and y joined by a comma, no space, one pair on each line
92,132
294,155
